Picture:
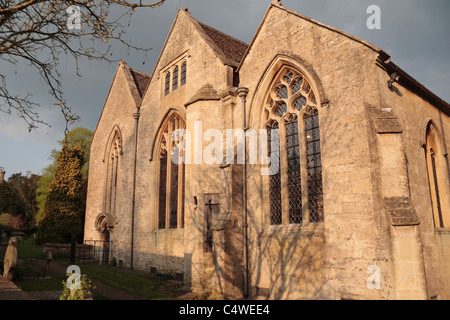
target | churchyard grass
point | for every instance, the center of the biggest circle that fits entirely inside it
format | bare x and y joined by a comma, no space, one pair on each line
127,280
30,275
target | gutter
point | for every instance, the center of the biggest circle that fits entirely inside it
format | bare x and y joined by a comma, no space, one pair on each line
243,95
404,79
136,117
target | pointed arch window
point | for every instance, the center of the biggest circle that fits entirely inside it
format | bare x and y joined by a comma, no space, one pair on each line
171,175
175,79
438,180
295,192
167,84
112,173
183,74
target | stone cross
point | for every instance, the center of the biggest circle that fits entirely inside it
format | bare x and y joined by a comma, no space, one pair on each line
10,259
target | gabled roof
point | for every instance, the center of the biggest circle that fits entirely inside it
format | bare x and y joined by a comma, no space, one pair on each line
277,4
141,80
137,83
228,49
384,59
232,48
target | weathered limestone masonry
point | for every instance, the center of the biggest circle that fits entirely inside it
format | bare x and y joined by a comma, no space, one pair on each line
374,225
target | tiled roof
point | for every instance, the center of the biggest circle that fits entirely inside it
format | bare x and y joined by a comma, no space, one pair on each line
141,79
232,48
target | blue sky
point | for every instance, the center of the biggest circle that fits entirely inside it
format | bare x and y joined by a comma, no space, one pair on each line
414,32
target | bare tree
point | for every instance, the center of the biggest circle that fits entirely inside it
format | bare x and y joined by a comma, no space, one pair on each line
39,32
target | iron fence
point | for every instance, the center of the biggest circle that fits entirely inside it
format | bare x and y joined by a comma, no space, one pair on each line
95,251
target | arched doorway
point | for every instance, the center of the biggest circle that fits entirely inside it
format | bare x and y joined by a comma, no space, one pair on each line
102,247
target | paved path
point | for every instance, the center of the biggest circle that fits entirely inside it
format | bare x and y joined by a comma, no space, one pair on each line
9,291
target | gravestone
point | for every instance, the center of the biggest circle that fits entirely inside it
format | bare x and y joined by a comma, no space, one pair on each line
10,260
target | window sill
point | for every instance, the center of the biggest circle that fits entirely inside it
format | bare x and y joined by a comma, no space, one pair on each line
441,230
167,230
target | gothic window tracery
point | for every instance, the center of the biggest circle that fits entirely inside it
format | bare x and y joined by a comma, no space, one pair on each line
295,192
171,176
438,180
113,168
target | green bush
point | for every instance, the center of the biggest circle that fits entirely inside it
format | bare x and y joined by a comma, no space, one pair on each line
28,269
78,294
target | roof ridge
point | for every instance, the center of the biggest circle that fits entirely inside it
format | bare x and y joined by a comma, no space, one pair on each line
231,48
141,80
217,30
141,72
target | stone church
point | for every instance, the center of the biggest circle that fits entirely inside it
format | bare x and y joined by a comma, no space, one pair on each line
358,206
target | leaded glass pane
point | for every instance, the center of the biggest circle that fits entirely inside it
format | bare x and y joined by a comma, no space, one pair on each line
281,109
183,174
300,103
294,181
162,193
288,77
175,79
173,218
183,74
167,84
275,179
314,166
282,92
297,85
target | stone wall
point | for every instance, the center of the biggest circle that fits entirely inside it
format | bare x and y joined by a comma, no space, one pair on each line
375,186
64,249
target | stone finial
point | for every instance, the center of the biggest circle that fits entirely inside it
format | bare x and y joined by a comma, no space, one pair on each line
10,259
2,175
277,2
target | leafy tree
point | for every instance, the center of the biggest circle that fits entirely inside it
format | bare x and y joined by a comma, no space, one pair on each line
80,137
43,187
11,222
63,214
76,137
37,32
18,197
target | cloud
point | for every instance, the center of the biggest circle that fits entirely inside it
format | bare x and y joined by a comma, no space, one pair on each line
16,129
413,32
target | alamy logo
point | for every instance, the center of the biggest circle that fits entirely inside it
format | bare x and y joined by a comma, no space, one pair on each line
213,152
74,280
74,20
374,20
374,280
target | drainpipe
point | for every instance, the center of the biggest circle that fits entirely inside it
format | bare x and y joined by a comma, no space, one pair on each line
136,118
243,95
